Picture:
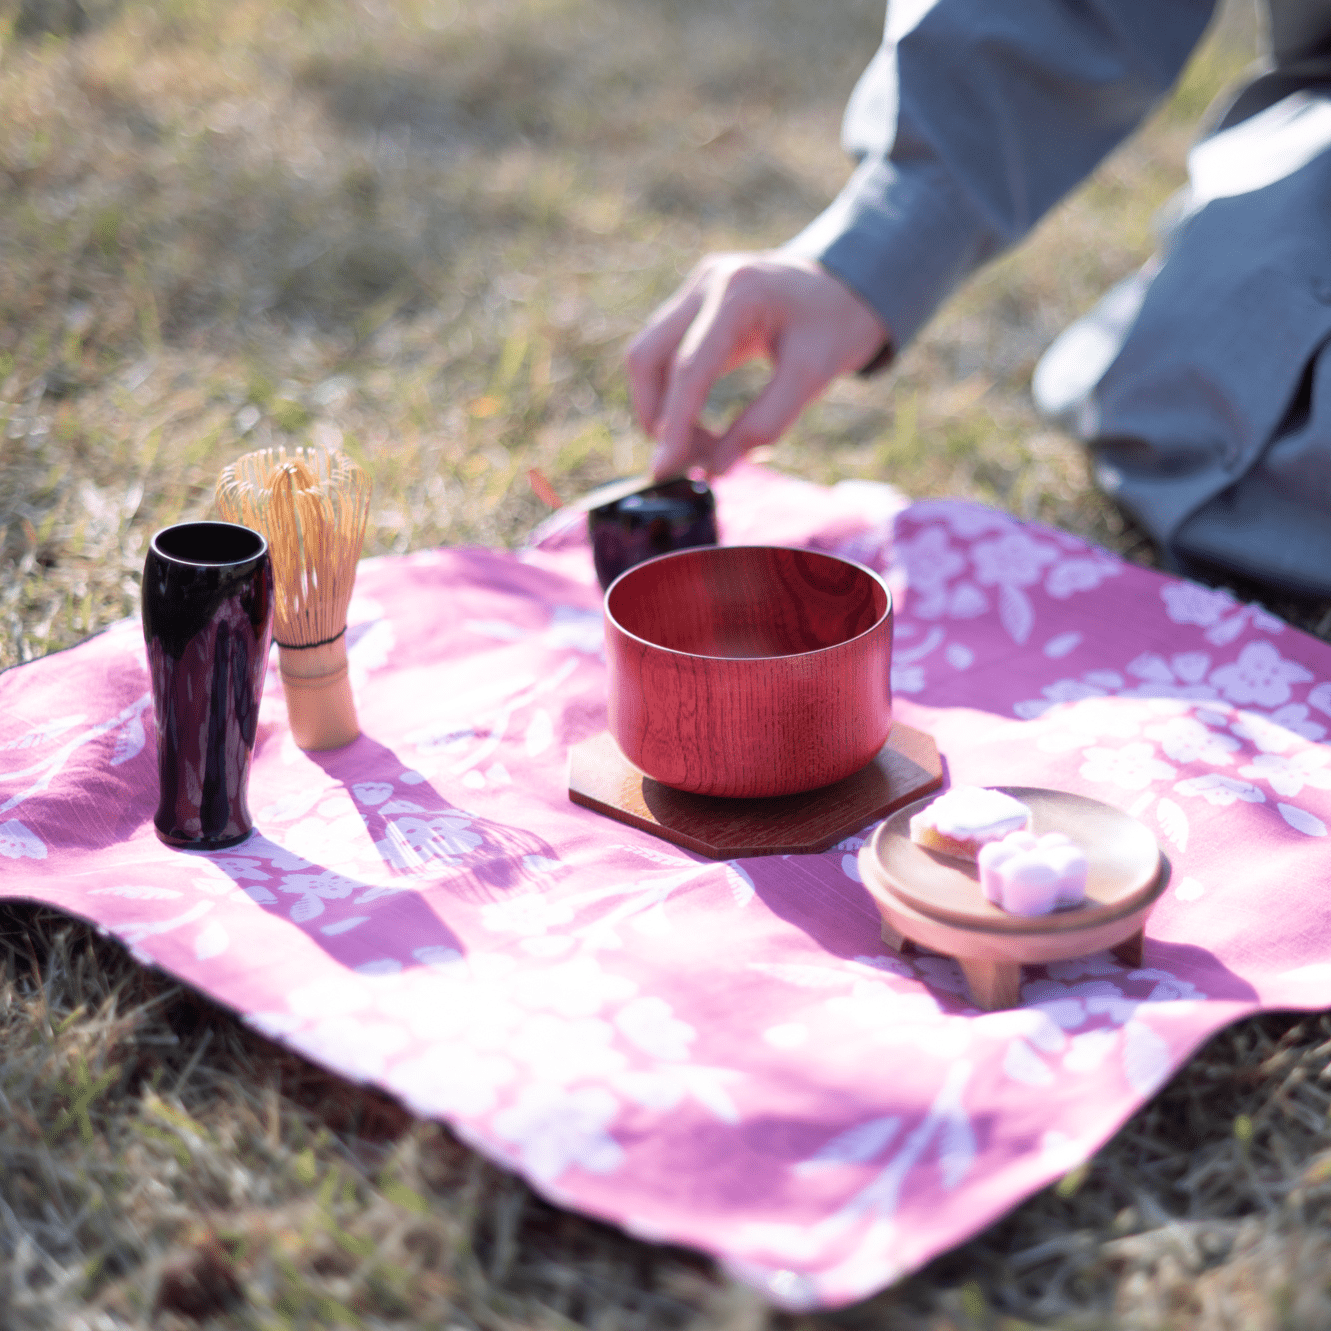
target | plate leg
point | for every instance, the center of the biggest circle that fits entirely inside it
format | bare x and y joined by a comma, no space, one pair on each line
897,942
993,984
1129,951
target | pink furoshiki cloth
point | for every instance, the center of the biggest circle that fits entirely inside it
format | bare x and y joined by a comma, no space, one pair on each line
717,1054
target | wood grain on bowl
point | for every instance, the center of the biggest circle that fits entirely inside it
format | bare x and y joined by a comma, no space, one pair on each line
749,671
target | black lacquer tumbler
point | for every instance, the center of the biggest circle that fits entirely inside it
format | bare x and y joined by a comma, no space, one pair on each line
655,520
207,623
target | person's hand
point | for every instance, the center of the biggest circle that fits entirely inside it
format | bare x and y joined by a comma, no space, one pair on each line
735,308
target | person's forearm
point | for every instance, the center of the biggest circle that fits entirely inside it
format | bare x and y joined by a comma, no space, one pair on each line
972,122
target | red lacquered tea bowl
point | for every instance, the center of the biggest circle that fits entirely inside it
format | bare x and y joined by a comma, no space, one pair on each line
749,671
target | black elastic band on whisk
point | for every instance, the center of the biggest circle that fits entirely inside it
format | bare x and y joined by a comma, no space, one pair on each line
306,646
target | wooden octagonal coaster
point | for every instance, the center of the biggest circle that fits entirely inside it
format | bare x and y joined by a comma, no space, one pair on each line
601,778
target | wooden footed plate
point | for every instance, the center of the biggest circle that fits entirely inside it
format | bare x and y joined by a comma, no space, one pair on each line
935,900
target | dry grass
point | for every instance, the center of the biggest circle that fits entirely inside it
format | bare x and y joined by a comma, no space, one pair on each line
424,229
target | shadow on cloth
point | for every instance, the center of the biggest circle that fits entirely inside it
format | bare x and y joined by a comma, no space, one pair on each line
359,924
431,850
842,919
419,833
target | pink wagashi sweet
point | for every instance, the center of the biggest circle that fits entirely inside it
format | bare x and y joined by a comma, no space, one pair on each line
965,818
1029,875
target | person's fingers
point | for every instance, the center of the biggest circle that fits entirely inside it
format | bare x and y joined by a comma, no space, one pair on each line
698,450
716,341
650,354
732,308
790,389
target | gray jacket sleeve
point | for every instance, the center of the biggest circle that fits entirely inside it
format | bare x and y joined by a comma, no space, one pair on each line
973,119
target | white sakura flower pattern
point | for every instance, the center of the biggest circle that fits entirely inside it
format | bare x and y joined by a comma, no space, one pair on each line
314,889
1292,717
19,842
1061,691
969,520
1014,559
871,1004
1078,575
650,1024
526,914
966,601
1301,820
130,739
1266,734
1146,1060
855,1146
665,1085
323,840
1055,1005
557,1129
1094,964
1288,776
577,988
1260,675
442,837
930,562
908,678
372,792
450,1079
1133,767
959,656
896,1017
1166,987
574,629
211,941
1063,643
1221,790
1186,740
333,996
491,1023
1179,677
1071,726
1021,1063
1031,1024
359,1048
1173,822
1090,1049
1187,603
238,868
559,1051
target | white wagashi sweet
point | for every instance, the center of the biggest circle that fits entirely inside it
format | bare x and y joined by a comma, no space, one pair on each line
1030,875
965,818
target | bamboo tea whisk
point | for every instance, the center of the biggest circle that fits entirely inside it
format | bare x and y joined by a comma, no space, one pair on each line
312,506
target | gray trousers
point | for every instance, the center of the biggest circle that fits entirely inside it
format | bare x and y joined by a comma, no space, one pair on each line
1203,384
1211,420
